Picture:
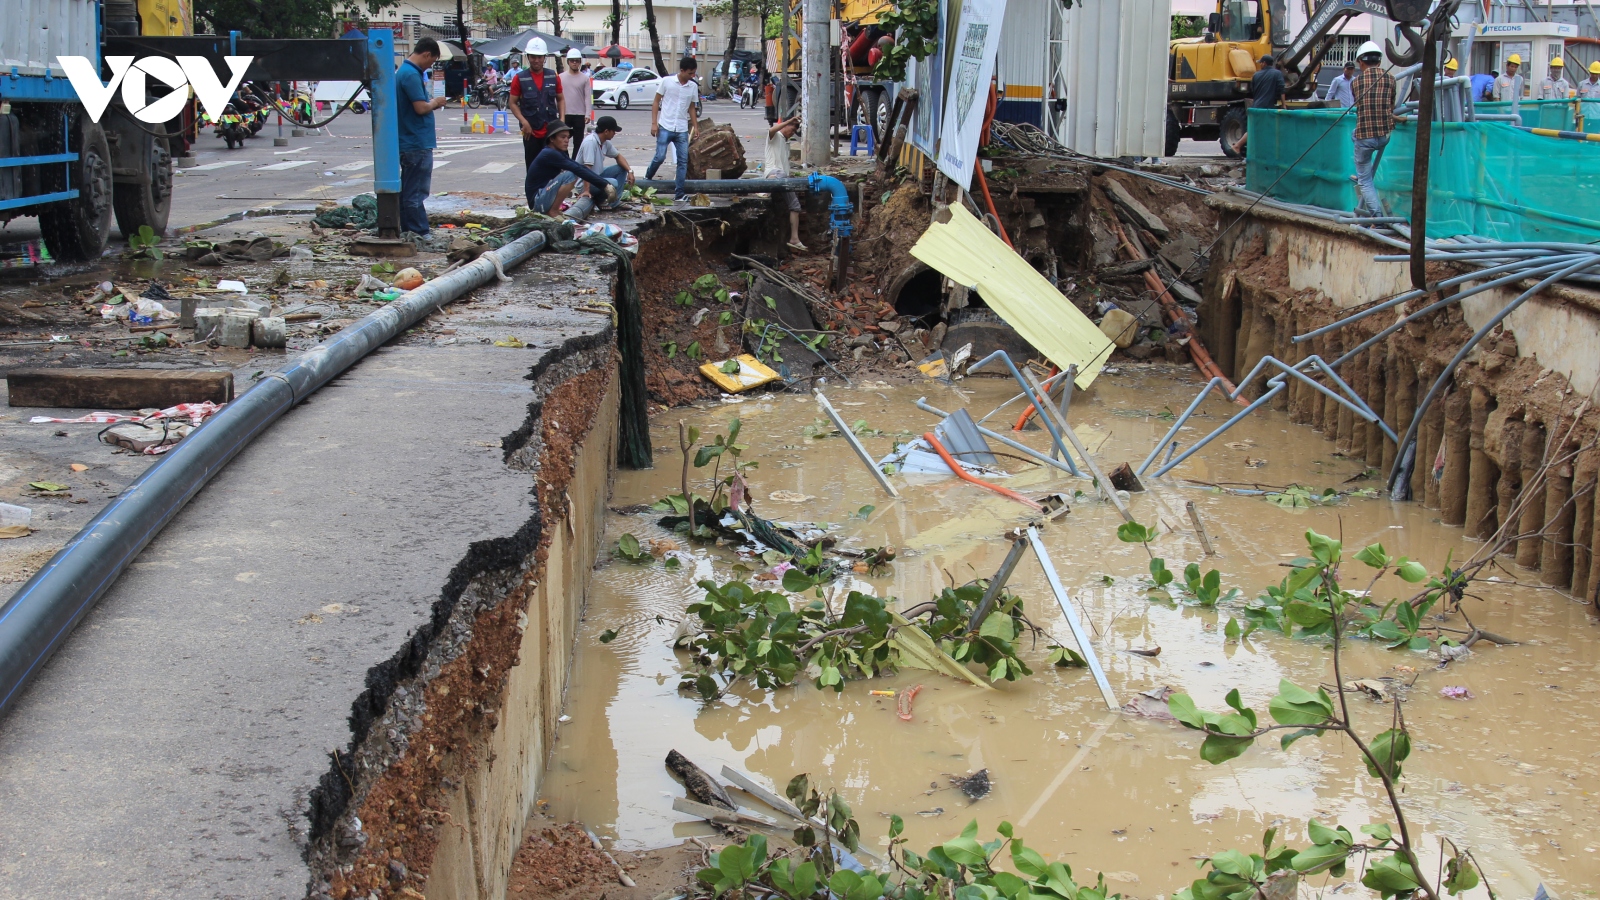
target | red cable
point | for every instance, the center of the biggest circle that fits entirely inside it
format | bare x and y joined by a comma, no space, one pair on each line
964,476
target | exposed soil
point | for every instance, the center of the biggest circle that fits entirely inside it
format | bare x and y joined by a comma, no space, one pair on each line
401,811
561,863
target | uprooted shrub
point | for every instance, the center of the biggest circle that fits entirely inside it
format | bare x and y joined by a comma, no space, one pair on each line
741,634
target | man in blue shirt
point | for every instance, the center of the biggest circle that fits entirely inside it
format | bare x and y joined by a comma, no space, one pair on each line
1339,90
414,110
553,174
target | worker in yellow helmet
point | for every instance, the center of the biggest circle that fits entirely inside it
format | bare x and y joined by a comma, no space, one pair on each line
1451,67
1555,85
1509,85
1589,93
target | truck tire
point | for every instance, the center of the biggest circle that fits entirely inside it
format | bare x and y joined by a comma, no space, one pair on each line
75,230
1234,125
880,119
1174,133
146,204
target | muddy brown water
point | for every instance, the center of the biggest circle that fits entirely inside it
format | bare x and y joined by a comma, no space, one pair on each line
1511,773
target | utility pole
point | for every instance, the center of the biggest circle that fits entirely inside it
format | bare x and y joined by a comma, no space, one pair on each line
815,83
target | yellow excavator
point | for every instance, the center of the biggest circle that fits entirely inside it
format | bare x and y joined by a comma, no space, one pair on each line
1208,77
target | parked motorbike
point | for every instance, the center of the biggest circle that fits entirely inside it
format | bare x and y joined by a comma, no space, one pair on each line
231,127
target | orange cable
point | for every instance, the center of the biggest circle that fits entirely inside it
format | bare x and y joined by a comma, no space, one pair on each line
1030,409
965,476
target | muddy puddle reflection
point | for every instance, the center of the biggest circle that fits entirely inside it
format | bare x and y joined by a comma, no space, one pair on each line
1511,773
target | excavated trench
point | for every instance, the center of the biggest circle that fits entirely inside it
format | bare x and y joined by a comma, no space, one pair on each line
508,713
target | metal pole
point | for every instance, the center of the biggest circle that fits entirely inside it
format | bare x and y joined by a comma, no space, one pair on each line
850,438
1071,615
996,583
814,83
1064,465
385,131
1419,168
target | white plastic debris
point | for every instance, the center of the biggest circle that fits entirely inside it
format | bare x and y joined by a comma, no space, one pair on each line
12,516
227,285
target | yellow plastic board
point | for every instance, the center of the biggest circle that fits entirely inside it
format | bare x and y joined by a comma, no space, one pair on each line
751,374
968,253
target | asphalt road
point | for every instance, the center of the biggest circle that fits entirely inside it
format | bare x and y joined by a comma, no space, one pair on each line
337,163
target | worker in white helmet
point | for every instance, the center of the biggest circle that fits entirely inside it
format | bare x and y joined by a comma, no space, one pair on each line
1555,85
1509,85
536,101
1374,91
577,95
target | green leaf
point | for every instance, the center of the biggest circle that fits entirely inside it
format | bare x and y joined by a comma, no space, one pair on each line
1391,877
1219,749
1183,709
1390,749
1295,705
1412,571
721,295
863,512
965,851
629,545
1134,533
1322,834
1028,861
1159,572
1379,832
1373,555
771,303
1459,875
896,826
1232,631
1319,857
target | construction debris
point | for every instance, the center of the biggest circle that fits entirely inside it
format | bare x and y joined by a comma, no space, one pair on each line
103,388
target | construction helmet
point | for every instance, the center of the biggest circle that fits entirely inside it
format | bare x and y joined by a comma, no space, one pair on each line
1514,59
1557,63
1451,64
536,47
1594,68
574,53
1370,48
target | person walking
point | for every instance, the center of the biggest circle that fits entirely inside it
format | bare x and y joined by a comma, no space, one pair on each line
672,118
577,96
1509,85
414,111
1555,85
597,148
536,101
1374,91
1339,89
554,174
1266,89
777,166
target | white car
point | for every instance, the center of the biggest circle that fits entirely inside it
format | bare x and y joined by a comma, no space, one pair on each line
623,88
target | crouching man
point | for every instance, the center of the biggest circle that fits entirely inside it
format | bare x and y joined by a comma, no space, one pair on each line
554,174
597,148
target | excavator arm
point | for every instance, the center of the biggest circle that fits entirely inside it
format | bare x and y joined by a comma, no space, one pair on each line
1310,44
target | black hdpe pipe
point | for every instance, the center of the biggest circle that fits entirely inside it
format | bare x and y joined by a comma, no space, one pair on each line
731,185
37,619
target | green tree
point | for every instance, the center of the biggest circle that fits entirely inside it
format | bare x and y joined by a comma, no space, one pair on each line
274,19
655,38
1188,26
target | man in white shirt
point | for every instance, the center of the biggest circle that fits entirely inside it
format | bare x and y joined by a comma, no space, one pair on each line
597,148
777,166
1555,85
672,118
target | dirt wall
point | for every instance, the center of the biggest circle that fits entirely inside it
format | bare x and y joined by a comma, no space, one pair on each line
1517,401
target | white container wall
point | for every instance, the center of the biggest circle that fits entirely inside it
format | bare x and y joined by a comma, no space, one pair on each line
35,32
1114,69
1022,66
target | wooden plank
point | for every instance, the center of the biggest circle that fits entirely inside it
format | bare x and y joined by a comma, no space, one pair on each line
117,388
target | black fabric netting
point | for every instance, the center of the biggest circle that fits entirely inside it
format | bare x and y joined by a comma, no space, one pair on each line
362,213
633,451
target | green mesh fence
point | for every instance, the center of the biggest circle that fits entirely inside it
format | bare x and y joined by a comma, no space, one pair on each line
1561,115
1321,177
1491,180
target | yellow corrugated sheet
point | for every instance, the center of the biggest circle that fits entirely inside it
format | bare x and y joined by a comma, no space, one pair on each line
968,253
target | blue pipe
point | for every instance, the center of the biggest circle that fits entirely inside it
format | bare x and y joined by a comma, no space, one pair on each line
385,123
842,219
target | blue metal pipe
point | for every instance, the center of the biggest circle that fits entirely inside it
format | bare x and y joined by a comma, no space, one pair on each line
385,123
1276,389
1177,424
842,213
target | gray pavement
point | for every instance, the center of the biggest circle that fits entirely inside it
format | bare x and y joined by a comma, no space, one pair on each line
338,164
168,749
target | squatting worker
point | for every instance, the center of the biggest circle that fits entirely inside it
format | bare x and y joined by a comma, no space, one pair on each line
1266,88
777,166
1589,93
672,118
554,174
577,95
1509,85
536,101
597,148
1483,85
1555,85
1374,90
415,109
1339,90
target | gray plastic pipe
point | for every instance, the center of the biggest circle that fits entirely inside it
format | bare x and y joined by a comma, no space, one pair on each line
37,619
